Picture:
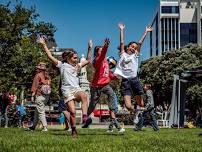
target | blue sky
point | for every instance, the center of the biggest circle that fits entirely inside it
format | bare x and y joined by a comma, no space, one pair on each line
79,20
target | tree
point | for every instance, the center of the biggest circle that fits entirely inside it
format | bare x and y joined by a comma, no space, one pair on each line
19,51
159,70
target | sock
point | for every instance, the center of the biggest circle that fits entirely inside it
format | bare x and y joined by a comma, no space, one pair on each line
111,124
84,117
73,129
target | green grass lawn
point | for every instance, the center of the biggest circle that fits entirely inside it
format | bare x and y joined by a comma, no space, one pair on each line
97,140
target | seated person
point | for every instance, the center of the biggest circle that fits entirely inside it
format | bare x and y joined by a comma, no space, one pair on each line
21,111
63,109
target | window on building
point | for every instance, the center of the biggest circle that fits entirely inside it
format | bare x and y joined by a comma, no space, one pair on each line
170,9
188,33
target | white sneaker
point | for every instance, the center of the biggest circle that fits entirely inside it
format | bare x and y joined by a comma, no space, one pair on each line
69,130
136,119
122,130
44,129
109,131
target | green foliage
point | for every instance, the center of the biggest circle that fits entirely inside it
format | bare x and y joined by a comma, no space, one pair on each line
194,95
159,70
19,51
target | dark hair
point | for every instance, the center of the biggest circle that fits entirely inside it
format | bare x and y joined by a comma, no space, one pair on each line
96,49
18,101
68,54
130,43
147,85
64,55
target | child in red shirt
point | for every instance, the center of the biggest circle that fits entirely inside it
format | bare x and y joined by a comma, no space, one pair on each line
100,84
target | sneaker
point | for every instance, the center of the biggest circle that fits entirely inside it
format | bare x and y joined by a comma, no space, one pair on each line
110,131
31,128
122,130
66,128
69,130
87,123
137,128
136,119
44,129
74,134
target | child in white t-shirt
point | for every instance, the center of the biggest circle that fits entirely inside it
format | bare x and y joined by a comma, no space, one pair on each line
127,69
70,82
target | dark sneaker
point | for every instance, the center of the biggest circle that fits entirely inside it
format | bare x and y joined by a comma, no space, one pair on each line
87,123
31,128
74,134
136,128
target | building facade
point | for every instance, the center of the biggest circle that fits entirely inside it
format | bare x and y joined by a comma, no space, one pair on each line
175,24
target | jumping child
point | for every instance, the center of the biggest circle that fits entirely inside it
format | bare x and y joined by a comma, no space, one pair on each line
127,69
100,84
70,82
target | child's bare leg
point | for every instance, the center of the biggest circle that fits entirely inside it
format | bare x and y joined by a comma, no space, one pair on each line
139,100
82,96
127,100
72,110
67,118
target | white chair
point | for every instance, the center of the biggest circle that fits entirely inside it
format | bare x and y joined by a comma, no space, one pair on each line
164,119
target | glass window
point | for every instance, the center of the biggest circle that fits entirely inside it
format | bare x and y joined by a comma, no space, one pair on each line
188,33
170,9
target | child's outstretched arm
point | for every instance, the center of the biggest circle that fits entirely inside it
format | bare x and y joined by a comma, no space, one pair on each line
101,57
148,29
88,57
121,27
42,41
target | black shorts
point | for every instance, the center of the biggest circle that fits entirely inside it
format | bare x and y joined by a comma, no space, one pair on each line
62,106
131,86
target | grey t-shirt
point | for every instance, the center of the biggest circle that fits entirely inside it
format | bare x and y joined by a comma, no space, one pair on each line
150,99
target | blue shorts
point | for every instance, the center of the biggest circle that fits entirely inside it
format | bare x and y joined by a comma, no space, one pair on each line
131,86
62,106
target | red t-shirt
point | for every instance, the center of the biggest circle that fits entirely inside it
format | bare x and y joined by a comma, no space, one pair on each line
102,73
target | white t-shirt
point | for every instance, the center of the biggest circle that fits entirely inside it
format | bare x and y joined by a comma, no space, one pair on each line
127,66
69,75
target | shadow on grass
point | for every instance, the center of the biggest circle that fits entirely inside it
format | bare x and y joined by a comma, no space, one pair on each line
86,134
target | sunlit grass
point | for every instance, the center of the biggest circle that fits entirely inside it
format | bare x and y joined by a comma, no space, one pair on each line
98,140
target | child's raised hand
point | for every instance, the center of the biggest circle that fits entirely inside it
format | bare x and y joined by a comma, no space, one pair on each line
107,41
90,44
40,40
149,29
121,26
